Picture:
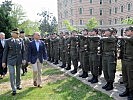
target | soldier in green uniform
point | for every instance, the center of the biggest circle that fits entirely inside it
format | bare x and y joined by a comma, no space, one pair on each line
94,58
127,64
47,42
74,51
26,43
56,48
109,49
51,48
62,49
67,50
83,53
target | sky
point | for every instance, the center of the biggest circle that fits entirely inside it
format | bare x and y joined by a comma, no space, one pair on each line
32,7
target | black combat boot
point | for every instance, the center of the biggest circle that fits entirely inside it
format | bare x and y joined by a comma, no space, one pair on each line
52,60
85,75
74,71
125,93
106,85
95,80
82,74
68,67
110,86
56,62
130,97
91,79
63,66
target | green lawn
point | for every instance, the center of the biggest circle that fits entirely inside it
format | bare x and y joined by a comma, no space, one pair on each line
66,88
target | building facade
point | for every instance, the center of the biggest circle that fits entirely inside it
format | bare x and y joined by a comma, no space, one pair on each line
108,13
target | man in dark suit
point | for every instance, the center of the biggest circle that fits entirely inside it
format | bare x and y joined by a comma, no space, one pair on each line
13,56
3,71
36,55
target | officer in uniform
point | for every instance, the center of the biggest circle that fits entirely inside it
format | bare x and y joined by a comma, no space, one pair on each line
127,64
109,49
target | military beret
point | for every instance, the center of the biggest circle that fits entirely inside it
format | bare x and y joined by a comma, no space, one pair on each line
16,30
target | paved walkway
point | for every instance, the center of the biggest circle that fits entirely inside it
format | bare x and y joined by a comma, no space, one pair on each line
118,88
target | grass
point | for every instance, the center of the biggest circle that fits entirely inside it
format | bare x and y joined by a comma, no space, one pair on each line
67,88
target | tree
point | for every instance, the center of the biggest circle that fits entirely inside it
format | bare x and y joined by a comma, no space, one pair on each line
46,24
29,27
128,21
53,25
92,23
17,14
68,25
6,24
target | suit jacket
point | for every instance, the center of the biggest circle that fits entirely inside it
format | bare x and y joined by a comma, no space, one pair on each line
1,50
33,54
13,52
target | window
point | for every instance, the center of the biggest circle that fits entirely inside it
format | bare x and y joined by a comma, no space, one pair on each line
91,11
129,7
110,22
109,1
71,10
101,12
71,1
80,22
90,1
115,21
121,20
101,22
116,10
71,22
121,8
100,2
110,11
80,10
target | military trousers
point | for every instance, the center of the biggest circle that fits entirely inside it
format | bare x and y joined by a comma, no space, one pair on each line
109,67
94,63
127,73
86,66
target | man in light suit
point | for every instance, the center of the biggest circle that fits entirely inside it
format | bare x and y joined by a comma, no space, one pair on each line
36,55
13,56
3,71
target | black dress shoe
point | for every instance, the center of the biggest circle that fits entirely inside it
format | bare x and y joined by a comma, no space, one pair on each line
19,88
125,93
13,92
39,86
34,83
74,71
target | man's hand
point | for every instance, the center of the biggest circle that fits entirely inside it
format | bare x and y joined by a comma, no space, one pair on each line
4,65
29,63
24,62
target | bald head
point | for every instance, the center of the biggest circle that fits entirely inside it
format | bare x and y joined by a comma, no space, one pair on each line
36,35
2,35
